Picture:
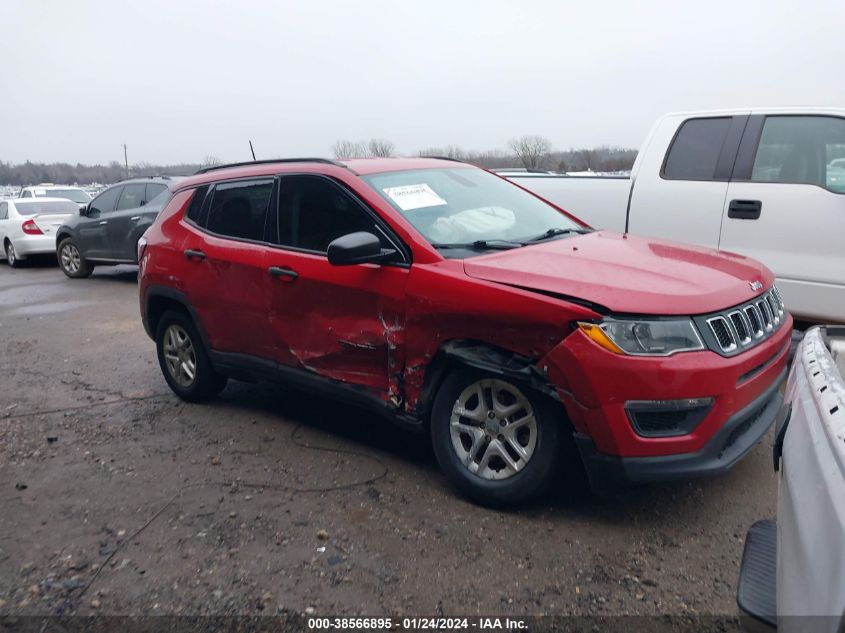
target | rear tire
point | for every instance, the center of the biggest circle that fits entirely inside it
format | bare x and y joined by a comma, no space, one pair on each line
12,256
71,261
497,441
184,360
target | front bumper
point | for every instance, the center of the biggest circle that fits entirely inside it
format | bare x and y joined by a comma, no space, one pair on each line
736,437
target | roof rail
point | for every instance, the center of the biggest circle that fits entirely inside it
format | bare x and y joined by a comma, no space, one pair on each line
454,160
270,161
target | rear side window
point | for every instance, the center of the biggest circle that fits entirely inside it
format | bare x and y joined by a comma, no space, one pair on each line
802,150
239,209
154,190
195,210
4,211
106,201
132,197
696,148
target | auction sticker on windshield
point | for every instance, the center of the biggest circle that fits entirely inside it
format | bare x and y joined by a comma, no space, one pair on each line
410,197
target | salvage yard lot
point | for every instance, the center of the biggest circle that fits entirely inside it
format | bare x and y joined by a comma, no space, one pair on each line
246,511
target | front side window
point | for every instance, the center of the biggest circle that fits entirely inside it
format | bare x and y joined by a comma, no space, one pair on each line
802,150
313,212
239,209
465,205
26,194
132,197
106,201
695,151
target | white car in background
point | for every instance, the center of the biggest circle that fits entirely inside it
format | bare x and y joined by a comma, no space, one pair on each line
49,190
28,226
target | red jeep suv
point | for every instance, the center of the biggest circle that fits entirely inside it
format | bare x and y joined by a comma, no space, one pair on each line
461,305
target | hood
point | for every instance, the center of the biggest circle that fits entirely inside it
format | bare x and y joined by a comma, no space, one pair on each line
628,274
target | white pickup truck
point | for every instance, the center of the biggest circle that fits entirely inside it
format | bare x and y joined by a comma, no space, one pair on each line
793,570
767,183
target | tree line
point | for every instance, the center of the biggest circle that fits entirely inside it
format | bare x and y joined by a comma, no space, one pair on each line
529,152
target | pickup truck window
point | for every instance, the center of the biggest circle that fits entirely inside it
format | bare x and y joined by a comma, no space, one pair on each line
695,151
802,150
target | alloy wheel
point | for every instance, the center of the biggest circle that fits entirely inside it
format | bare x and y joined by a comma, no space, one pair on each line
179,355
70,258
493,429
11,255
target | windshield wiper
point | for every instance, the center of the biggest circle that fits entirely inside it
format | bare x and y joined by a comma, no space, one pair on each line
499,245
554,233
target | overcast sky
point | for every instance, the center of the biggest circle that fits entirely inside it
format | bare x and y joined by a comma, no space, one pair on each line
180,80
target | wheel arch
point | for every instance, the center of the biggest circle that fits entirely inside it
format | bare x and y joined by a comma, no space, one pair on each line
158,300
484,356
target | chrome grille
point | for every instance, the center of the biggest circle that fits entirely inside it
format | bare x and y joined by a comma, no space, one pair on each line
746,325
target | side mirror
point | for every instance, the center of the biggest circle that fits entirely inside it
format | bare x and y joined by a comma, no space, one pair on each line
83,210
357,248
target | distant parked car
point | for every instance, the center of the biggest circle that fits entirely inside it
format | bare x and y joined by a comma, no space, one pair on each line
107,230
28,226
49,190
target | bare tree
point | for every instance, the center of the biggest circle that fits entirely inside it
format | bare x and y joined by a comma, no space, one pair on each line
589,156
448,151
381,147
530,150
350,149
210,161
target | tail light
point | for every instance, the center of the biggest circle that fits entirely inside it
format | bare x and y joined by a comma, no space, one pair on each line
31,228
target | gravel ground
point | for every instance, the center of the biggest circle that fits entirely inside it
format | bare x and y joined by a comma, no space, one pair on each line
118,498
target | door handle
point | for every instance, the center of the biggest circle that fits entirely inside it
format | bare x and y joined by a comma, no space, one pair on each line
104,222
745,209
135,217
193,254
277,271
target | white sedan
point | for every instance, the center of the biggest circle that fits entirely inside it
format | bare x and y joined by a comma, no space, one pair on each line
28,226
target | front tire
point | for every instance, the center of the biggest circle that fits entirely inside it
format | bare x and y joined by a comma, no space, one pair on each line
184,360
496,440
71,261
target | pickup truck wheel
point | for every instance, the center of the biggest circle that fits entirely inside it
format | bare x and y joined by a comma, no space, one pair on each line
71,261
183,359
496,440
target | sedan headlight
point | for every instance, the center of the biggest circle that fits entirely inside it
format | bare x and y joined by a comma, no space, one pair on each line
644,337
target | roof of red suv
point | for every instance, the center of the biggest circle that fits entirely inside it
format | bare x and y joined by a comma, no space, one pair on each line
359,166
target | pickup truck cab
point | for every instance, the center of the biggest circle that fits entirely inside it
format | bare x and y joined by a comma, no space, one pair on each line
767,183
792,576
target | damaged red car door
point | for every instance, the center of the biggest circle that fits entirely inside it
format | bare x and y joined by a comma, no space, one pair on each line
343,322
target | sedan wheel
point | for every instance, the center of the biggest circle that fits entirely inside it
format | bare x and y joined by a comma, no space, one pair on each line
12,256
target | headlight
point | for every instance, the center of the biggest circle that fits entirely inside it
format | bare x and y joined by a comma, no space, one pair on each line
641,337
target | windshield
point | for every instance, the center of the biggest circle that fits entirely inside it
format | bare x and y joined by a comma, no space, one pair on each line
77,195
45,207
464,205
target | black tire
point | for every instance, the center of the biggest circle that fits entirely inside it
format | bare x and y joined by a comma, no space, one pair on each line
11,256
84,269
537,472
206,383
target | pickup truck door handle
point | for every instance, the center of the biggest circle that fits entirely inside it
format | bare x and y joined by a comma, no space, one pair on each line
278,271
194,254
745,209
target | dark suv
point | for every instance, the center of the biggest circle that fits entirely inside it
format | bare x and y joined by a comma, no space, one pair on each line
107,229
463,306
